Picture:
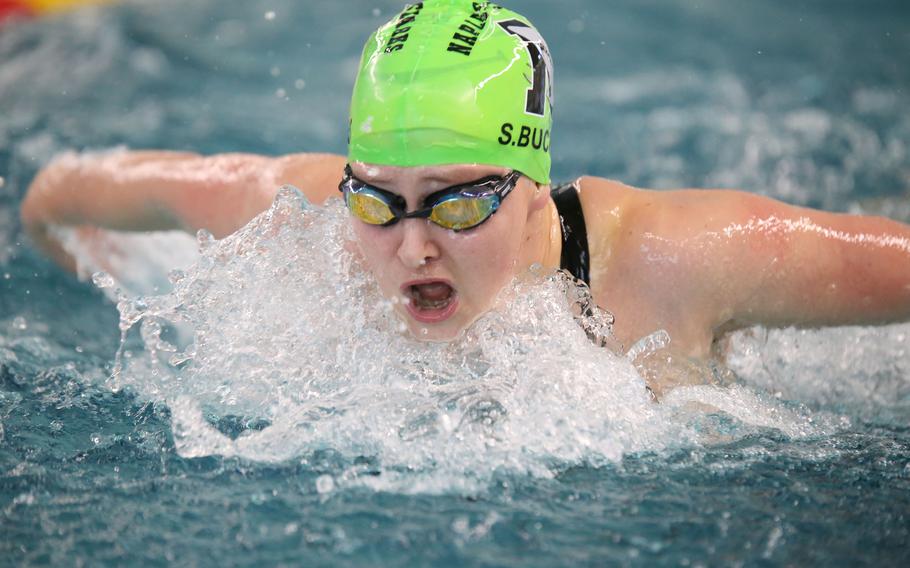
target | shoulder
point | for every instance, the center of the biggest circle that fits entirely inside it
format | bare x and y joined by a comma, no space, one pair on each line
671,213
640,264
608,206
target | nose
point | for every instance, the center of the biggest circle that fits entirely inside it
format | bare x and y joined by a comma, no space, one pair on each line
417,247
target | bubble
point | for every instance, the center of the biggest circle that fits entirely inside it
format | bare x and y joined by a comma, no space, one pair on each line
103,280
176,275
325,484
204,239
281,93
299,84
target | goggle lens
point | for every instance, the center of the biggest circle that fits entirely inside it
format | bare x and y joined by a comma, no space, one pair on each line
463,212
369,207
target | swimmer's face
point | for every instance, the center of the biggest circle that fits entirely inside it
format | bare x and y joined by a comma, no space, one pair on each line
440,280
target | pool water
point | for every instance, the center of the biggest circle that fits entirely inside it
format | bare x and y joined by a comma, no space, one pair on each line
262,409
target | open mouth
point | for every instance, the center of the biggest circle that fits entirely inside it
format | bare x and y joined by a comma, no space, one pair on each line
430,301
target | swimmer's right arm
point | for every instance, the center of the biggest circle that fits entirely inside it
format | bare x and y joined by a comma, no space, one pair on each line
162,190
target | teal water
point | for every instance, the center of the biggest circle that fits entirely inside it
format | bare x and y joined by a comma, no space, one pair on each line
803,102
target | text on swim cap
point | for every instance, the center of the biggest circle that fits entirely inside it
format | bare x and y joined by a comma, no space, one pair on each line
463,43
402,27
537,138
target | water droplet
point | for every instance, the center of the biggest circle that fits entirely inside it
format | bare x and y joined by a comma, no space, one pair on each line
325,484
446,422
102,280
461,525
270,15
576,26
205,239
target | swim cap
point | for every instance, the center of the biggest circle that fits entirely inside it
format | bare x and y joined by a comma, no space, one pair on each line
451,82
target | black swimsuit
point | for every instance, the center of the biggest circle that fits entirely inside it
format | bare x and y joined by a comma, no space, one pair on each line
574,258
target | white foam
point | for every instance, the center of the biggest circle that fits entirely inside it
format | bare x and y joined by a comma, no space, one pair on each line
287,327
865,370
138,262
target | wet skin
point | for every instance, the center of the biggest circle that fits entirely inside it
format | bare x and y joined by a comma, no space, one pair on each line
477,263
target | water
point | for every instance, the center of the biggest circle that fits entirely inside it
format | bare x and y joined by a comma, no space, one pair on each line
266,411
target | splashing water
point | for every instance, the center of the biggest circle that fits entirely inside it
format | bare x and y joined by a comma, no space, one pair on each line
279,325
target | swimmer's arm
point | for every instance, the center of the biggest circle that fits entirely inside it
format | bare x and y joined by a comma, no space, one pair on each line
759,261
161,190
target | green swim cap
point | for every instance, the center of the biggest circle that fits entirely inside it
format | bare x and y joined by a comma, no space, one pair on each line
452,82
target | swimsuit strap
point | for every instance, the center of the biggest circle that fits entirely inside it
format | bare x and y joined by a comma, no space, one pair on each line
574,258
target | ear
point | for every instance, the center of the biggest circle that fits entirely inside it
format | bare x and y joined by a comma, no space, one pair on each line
539,198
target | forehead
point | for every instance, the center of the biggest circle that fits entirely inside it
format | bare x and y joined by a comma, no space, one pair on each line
442,175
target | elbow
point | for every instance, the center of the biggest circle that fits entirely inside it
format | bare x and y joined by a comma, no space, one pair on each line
39,206
31,212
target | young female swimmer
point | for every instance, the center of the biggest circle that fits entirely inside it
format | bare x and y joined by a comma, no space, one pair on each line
448,184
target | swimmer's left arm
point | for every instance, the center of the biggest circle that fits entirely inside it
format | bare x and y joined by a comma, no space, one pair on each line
778,265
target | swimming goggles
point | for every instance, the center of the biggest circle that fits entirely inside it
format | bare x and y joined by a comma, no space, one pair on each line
459,207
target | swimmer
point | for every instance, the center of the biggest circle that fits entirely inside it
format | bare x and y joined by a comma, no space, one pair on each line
447,180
